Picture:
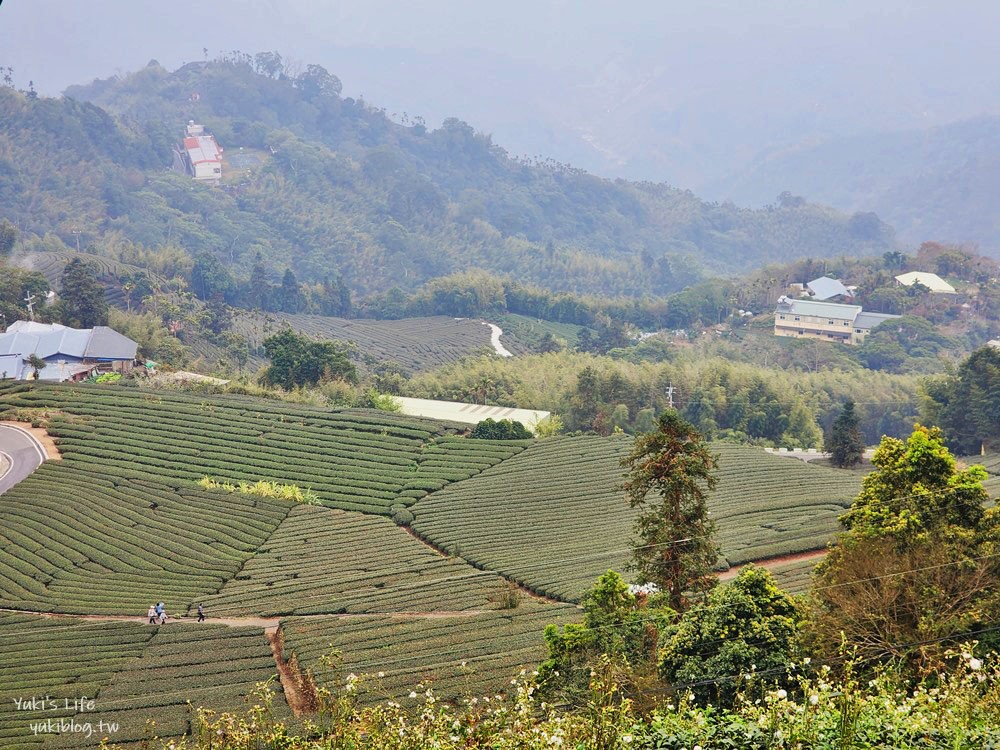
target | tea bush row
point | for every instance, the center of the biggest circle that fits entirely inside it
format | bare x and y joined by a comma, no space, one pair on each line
367,462
456,656
554,516
73,539
321,560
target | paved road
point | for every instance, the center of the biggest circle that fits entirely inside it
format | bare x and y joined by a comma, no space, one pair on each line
23,453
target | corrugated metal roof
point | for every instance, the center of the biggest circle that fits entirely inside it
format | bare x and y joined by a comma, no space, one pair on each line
930,280
69,342
18,343
52,341
818,309
824,288
871,319
202,148
107,343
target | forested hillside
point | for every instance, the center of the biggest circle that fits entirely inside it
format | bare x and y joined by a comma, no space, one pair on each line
333,189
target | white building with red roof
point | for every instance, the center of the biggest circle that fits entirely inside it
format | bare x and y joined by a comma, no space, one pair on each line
203,156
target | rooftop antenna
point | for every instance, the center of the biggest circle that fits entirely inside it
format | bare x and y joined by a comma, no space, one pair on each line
29,299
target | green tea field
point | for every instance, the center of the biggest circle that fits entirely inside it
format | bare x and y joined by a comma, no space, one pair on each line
133,673
554,518
327,561
415,344
74,538
400,568
368,462
457,657
51,265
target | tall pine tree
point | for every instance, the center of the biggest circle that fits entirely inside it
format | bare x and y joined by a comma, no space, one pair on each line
670,472
82,303
847,444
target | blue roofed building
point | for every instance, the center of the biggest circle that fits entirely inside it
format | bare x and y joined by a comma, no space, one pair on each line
69,353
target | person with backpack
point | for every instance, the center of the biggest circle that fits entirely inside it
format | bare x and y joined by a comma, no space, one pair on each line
201,613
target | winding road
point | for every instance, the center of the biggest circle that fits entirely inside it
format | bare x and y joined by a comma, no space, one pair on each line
23,452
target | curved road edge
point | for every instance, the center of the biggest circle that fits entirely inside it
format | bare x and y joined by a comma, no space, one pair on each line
24,451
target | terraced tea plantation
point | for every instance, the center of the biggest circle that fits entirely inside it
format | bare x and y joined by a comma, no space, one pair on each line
213,666
109,271
416,344
457,657
134,673
355,461
554,517
121,523
61,658
74,538
328,561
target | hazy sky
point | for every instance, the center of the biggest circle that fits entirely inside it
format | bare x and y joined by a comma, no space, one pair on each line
657,88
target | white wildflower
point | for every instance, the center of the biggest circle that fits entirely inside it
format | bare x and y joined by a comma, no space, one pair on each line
813,699
782,694
975,665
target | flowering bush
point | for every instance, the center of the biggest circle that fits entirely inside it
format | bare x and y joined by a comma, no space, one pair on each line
957,709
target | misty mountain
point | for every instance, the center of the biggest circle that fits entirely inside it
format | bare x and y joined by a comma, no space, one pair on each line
687,94
935,184
336,189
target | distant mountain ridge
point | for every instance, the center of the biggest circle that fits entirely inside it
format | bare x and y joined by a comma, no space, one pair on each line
342,191
935,184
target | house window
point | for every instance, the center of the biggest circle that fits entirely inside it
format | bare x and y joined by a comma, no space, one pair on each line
781,317
801,332
857,330
797,317
830,322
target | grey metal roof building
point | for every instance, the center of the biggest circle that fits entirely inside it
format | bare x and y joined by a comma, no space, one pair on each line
68,352
824,288
826,321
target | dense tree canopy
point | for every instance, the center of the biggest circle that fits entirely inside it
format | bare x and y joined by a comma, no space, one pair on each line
746,626
918,561
300,361
967,404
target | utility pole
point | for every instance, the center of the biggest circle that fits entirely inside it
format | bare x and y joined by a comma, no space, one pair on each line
77,233
670,395
29,298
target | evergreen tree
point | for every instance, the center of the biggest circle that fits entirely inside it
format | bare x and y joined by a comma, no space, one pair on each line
8,237
971,414
676,546
847,444
82,302
290,298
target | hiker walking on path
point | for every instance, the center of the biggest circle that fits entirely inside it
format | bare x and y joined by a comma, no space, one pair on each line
163,617
161,613
152,614
201,613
